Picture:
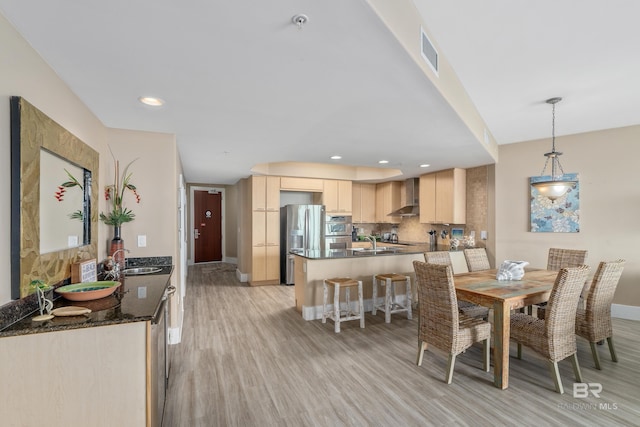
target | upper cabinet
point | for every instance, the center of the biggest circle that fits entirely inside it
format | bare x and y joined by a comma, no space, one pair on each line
443,197
364,203
313,185
388,196
337,196
265,193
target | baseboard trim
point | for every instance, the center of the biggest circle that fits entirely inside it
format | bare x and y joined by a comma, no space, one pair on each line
231,260
629,312
242,277
174,336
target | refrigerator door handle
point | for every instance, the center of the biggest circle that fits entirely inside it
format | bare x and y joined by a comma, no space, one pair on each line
305,237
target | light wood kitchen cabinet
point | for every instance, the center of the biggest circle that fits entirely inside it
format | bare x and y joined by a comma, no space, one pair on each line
443,197
337,196
387,201
313,185
265,193
265,230
363,203
265,265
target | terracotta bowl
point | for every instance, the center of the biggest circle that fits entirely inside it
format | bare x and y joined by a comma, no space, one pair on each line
88,290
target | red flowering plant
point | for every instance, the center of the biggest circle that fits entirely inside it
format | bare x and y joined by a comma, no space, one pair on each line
62,188
114,193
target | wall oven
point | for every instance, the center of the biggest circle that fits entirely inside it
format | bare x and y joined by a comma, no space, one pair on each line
337,232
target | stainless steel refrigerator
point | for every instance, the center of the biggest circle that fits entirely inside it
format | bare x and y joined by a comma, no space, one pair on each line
301,229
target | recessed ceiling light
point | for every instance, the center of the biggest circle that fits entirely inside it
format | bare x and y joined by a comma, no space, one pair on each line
383,162
336,157
425,165
149,100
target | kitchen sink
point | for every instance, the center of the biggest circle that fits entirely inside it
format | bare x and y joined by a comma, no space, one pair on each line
379,248
378,251
140,270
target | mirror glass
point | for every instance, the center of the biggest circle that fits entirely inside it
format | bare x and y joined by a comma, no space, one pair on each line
62,207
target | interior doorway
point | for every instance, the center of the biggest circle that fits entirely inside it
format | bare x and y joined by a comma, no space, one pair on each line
207,224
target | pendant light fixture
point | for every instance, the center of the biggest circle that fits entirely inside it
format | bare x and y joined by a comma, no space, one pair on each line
557,186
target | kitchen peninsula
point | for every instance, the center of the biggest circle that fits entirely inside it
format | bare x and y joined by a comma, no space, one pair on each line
312,267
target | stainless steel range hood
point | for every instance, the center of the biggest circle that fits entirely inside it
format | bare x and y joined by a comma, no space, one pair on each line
412,188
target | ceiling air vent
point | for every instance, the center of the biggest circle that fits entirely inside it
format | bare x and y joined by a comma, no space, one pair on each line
429,52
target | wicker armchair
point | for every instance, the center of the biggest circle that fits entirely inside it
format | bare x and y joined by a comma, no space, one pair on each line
477,259
554,338
465,307
441,325
594,322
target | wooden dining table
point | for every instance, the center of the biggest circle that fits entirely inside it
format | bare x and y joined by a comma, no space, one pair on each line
482,288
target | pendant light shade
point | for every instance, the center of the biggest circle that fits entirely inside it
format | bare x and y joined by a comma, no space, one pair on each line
557,186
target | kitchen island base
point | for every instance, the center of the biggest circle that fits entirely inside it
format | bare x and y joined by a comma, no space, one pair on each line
309,275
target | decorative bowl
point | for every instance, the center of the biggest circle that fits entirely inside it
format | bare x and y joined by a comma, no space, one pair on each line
88,290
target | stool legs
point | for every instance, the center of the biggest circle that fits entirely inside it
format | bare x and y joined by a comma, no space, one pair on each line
391,305
336,312
389,299
336,307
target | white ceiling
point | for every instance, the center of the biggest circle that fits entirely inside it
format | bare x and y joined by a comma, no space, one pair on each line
244,86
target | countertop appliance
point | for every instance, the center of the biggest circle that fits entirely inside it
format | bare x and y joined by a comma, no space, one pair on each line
301,228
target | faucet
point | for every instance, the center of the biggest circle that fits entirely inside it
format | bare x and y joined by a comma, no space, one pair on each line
116,265
372,240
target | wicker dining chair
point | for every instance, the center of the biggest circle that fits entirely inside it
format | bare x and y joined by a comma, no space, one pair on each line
477,259
594,322
554,337
465,307
562,258
441,324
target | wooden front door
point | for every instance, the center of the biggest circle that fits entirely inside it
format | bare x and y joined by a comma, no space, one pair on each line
207,224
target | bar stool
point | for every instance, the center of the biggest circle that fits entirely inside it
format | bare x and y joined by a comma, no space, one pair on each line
391,305
336,314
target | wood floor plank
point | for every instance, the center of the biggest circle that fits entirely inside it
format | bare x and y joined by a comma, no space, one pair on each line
248,359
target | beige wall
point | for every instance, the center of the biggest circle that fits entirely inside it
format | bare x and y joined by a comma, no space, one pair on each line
25,74
155,173
609,202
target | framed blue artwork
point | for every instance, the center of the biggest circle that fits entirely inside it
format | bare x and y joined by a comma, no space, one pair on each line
555,216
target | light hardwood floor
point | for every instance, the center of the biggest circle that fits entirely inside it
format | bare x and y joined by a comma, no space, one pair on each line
248,359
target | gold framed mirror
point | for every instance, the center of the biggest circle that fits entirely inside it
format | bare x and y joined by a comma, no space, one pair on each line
32,133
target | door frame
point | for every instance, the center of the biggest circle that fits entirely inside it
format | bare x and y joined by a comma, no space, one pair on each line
192,190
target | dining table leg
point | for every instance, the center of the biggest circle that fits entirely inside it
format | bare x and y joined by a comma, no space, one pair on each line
501,333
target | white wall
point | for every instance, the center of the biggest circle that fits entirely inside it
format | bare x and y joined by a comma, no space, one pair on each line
609,202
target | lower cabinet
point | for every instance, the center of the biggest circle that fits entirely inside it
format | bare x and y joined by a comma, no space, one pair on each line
265,265
95,376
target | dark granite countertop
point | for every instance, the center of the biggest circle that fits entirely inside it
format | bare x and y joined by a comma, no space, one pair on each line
138,300
359,253
382,250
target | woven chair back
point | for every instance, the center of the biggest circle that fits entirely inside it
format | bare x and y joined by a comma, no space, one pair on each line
565,258
560,316
439,257
477,259
600,296
438,305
